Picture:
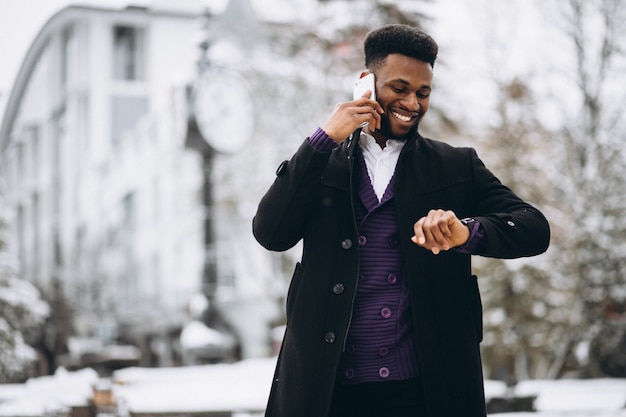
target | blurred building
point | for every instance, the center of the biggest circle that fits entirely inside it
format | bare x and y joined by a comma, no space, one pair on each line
106,188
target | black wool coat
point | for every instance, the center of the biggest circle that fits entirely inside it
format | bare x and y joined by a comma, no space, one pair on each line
312,199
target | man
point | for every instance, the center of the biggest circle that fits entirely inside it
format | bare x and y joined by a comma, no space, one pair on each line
383,313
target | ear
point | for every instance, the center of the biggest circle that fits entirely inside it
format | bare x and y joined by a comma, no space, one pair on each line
364,73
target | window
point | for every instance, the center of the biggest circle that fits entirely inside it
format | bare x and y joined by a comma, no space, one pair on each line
127,53
58,140
82,124
125,113
69,57
21,161
128,225
21,240
129,219
35,151
6,168
36,236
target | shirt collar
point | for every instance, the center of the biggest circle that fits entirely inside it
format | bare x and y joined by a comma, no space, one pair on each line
368,143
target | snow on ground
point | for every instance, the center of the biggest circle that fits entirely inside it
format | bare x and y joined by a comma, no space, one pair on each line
239,386
575,397
46,395
244,387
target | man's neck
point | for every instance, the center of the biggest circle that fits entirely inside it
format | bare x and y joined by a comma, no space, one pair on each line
381,140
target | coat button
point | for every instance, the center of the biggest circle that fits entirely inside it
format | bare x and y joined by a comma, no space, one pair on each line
329,337
385,312
281,168
392,278
338,288
383,372
346,243
511,223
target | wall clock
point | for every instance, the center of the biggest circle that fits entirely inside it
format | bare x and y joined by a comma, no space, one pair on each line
223,107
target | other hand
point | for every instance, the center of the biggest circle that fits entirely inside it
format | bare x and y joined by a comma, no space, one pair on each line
440,230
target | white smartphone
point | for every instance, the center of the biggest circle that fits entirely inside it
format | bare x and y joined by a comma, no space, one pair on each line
362,85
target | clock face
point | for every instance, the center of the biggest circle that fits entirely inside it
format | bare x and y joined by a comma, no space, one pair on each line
224,110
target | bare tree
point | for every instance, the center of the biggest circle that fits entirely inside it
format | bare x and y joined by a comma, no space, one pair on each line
520,320
542,316
590,152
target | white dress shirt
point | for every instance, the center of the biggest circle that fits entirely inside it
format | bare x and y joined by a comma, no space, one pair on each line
381,163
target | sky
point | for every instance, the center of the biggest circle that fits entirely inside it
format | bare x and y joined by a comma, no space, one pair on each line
20,21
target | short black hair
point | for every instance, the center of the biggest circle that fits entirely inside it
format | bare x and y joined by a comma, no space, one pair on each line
398,39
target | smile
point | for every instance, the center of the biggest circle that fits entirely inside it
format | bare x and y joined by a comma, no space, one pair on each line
401,117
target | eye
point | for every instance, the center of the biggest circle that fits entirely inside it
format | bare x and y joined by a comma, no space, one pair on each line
424,93
399,90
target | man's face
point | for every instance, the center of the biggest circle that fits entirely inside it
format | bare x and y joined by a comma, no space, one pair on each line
403,87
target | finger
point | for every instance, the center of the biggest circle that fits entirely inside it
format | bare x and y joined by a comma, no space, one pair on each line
444,227
378,121
367,114
366,101
424,230
431,228
418,231
437,231
362,119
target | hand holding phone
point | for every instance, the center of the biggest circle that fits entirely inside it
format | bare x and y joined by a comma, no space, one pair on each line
341,122
363,84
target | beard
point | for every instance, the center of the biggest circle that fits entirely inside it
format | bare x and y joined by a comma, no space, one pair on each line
385,129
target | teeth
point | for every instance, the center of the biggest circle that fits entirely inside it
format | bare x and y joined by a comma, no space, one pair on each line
401,117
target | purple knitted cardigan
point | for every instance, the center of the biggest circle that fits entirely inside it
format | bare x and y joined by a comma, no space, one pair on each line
379,346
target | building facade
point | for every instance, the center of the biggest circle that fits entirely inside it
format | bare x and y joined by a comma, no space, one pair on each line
104,196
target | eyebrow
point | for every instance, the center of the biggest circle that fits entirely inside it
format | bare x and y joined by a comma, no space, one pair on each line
405,82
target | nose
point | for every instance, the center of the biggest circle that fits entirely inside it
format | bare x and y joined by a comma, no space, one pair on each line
411,103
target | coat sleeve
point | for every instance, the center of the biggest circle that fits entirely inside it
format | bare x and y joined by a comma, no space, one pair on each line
283,211
513,228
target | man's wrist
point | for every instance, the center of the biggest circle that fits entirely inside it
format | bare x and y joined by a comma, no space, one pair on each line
470,222
476,238
321,142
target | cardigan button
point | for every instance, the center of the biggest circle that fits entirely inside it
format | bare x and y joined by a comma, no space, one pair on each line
346,243
383,372
392,278
362,240
338,288
385,312
329,337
